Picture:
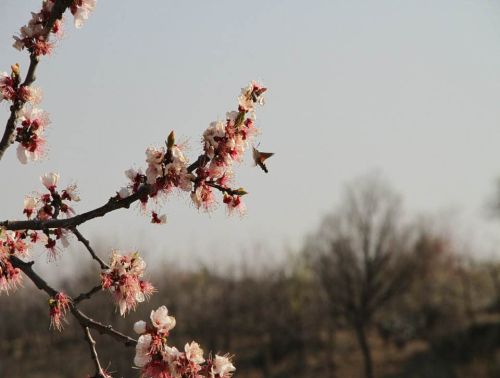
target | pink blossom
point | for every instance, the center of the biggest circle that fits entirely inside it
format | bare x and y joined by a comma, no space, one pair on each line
142,356
30,134
222,366
30,94
123,280
50,180
81,10
203,197
234,203
13,243
154,158
10,277
59,304
70,193
7,90
30,204
194,353
251,94
161,320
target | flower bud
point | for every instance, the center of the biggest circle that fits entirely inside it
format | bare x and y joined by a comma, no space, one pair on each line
171,140
240,192
140,327
15,70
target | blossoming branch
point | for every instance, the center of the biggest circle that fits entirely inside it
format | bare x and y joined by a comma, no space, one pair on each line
52,220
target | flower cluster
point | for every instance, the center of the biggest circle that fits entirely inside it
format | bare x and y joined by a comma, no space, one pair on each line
35,37
33,121
167,169
9,84
123,280
49,206
11,244
225,142
11,90
159,360
30,134
58,304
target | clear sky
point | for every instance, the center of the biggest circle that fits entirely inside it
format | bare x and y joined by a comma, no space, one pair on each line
410,88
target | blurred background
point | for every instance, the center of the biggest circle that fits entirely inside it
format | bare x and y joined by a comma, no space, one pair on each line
370,249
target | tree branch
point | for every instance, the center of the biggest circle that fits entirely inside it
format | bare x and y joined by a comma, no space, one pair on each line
93,354
84,320
8,136
69,223
86,243
87,295
102,328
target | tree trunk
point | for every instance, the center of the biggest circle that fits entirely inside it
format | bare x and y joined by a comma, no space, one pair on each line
365,349
330,351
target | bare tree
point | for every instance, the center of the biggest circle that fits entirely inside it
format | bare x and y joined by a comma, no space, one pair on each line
361,256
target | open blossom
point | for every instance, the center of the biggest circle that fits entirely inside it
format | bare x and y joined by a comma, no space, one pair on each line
59,304
30,204
52,242
50,180
11,243
123,280
194,353
7,87
33,35
10,277
157,359
222,366
251,94
154,158
30,134
203,197
142,356
81,10
234,203
70,193
161,320
30,94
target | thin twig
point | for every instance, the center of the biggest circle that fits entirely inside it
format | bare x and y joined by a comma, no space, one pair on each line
82,318
93,354
87,295
223,189
86,243
102,328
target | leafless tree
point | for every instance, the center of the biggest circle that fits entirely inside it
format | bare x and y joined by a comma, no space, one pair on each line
361,256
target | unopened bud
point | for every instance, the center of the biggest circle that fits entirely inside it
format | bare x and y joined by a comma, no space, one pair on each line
171,140
15,70
240,192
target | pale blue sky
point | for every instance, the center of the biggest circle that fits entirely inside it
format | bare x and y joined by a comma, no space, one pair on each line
411,88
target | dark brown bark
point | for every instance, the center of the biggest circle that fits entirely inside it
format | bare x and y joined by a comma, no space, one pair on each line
365,349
